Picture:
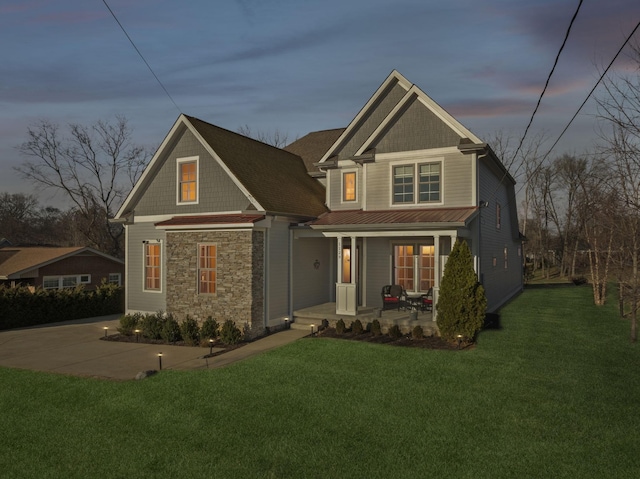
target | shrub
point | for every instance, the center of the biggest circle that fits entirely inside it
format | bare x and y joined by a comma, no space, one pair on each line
209,329
394,332
417,332
170,329
579,280
129,323
151,325
357,327
462,303
324,324
376,330
340,326
230,333
189,330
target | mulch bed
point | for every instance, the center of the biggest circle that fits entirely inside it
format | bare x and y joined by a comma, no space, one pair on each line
427,342
122,338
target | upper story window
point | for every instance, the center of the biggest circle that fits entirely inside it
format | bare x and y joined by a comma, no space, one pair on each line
349,186
417,183
152,266
188,180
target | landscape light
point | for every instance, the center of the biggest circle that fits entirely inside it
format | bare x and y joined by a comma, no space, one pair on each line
160,361
312,326
211,346
105,331
137,335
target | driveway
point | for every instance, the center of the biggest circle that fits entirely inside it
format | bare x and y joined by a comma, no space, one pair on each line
74,347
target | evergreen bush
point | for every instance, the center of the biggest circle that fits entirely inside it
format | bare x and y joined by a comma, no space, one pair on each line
170,329
230,333
340,326
190,330
394,332
462,303
357,327
417,332
209,329
151,325
129,323
376,329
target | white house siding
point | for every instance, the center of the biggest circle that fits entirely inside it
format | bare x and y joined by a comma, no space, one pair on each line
137,298
311,285
456,173
217,192
278,270
500,283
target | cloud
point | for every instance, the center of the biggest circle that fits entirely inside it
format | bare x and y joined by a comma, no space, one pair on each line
489,108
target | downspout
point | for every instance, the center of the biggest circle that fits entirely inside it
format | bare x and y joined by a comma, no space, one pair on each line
481,204
290,277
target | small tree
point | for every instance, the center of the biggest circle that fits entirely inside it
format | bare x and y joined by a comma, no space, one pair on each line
461,303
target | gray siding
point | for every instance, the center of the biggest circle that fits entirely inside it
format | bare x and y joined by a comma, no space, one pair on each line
278,279
137,299
311,286
416,128
500,283
456,176
388,100
378,269
217,190
334,178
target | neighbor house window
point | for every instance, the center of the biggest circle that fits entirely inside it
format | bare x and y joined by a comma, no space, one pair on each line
506,258
207,268
152,266
65,282
498,216
417,183
188,180
349,186
114,278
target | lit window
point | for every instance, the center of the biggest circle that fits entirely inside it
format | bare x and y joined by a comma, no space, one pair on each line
207,268
152,267
349,186
188,180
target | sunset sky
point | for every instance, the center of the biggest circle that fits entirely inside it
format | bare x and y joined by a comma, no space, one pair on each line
300,66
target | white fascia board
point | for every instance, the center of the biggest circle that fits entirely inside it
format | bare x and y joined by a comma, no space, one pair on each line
223,165
159,218
396,233
212,226
394,76
181,121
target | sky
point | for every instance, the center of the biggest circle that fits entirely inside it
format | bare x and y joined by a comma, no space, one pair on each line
298,66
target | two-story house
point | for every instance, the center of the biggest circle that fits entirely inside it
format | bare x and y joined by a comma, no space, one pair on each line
222,225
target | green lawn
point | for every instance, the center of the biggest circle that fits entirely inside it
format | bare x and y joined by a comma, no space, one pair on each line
554,393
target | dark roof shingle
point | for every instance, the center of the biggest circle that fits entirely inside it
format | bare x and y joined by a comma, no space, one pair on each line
312,147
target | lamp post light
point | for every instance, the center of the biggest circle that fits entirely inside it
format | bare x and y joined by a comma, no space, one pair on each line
210,347
312,328
137,335
160,361
459,340
105,331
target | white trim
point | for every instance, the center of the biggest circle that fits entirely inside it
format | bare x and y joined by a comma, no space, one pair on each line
119,275
208,226
159,218
415,162
179,163
408,155
391,233
194,230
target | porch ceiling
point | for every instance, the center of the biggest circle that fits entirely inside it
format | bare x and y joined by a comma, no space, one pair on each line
430,218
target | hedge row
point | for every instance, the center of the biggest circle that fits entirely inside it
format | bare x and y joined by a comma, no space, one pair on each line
19,307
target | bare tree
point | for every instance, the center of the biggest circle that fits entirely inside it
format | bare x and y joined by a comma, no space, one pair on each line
94,166
275,138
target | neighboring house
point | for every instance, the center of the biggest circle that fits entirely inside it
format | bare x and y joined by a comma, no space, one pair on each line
58,268
222,225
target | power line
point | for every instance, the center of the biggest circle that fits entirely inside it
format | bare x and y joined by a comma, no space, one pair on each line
586,99
141,56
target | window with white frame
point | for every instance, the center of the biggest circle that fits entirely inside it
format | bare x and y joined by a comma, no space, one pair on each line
207,268
417,183
349,186
65,282
152,266
187,180
414,266
115,278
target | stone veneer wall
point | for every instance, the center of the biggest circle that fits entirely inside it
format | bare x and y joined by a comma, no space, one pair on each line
240,278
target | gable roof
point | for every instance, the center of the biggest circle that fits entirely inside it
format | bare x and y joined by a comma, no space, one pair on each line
411,92
16,260
312,147
272,179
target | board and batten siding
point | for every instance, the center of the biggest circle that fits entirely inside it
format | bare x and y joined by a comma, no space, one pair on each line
456,177
137,298
217,192
278,270
500,283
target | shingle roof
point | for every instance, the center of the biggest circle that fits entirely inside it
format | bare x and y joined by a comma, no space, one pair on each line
14,260
385,219
276,178
312,147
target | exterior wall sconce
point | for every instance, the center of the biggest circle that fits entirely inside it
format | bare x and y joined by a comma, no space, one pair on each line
316,264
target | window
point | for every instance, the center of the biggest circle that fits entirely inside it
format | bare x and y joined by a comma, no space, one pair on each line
414,265
506,258
207,268
349,186
188,180
402,184
498,216
429,183
114,278
427,176
63,282
152,266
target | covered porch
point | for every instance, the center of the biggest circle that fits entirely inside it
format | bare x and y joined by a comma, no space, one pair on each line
305,318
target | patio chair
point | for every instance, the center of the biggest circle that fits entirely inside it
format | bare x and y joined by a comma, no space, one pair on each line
392,297
427,301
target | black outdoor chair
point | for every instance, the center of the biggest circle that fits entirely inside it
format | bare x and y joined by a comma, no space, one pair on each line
392,297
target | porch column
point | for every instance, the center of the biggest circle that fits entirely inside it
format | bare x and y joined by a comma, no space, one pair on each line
346,298
437,276
354,261
339,241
